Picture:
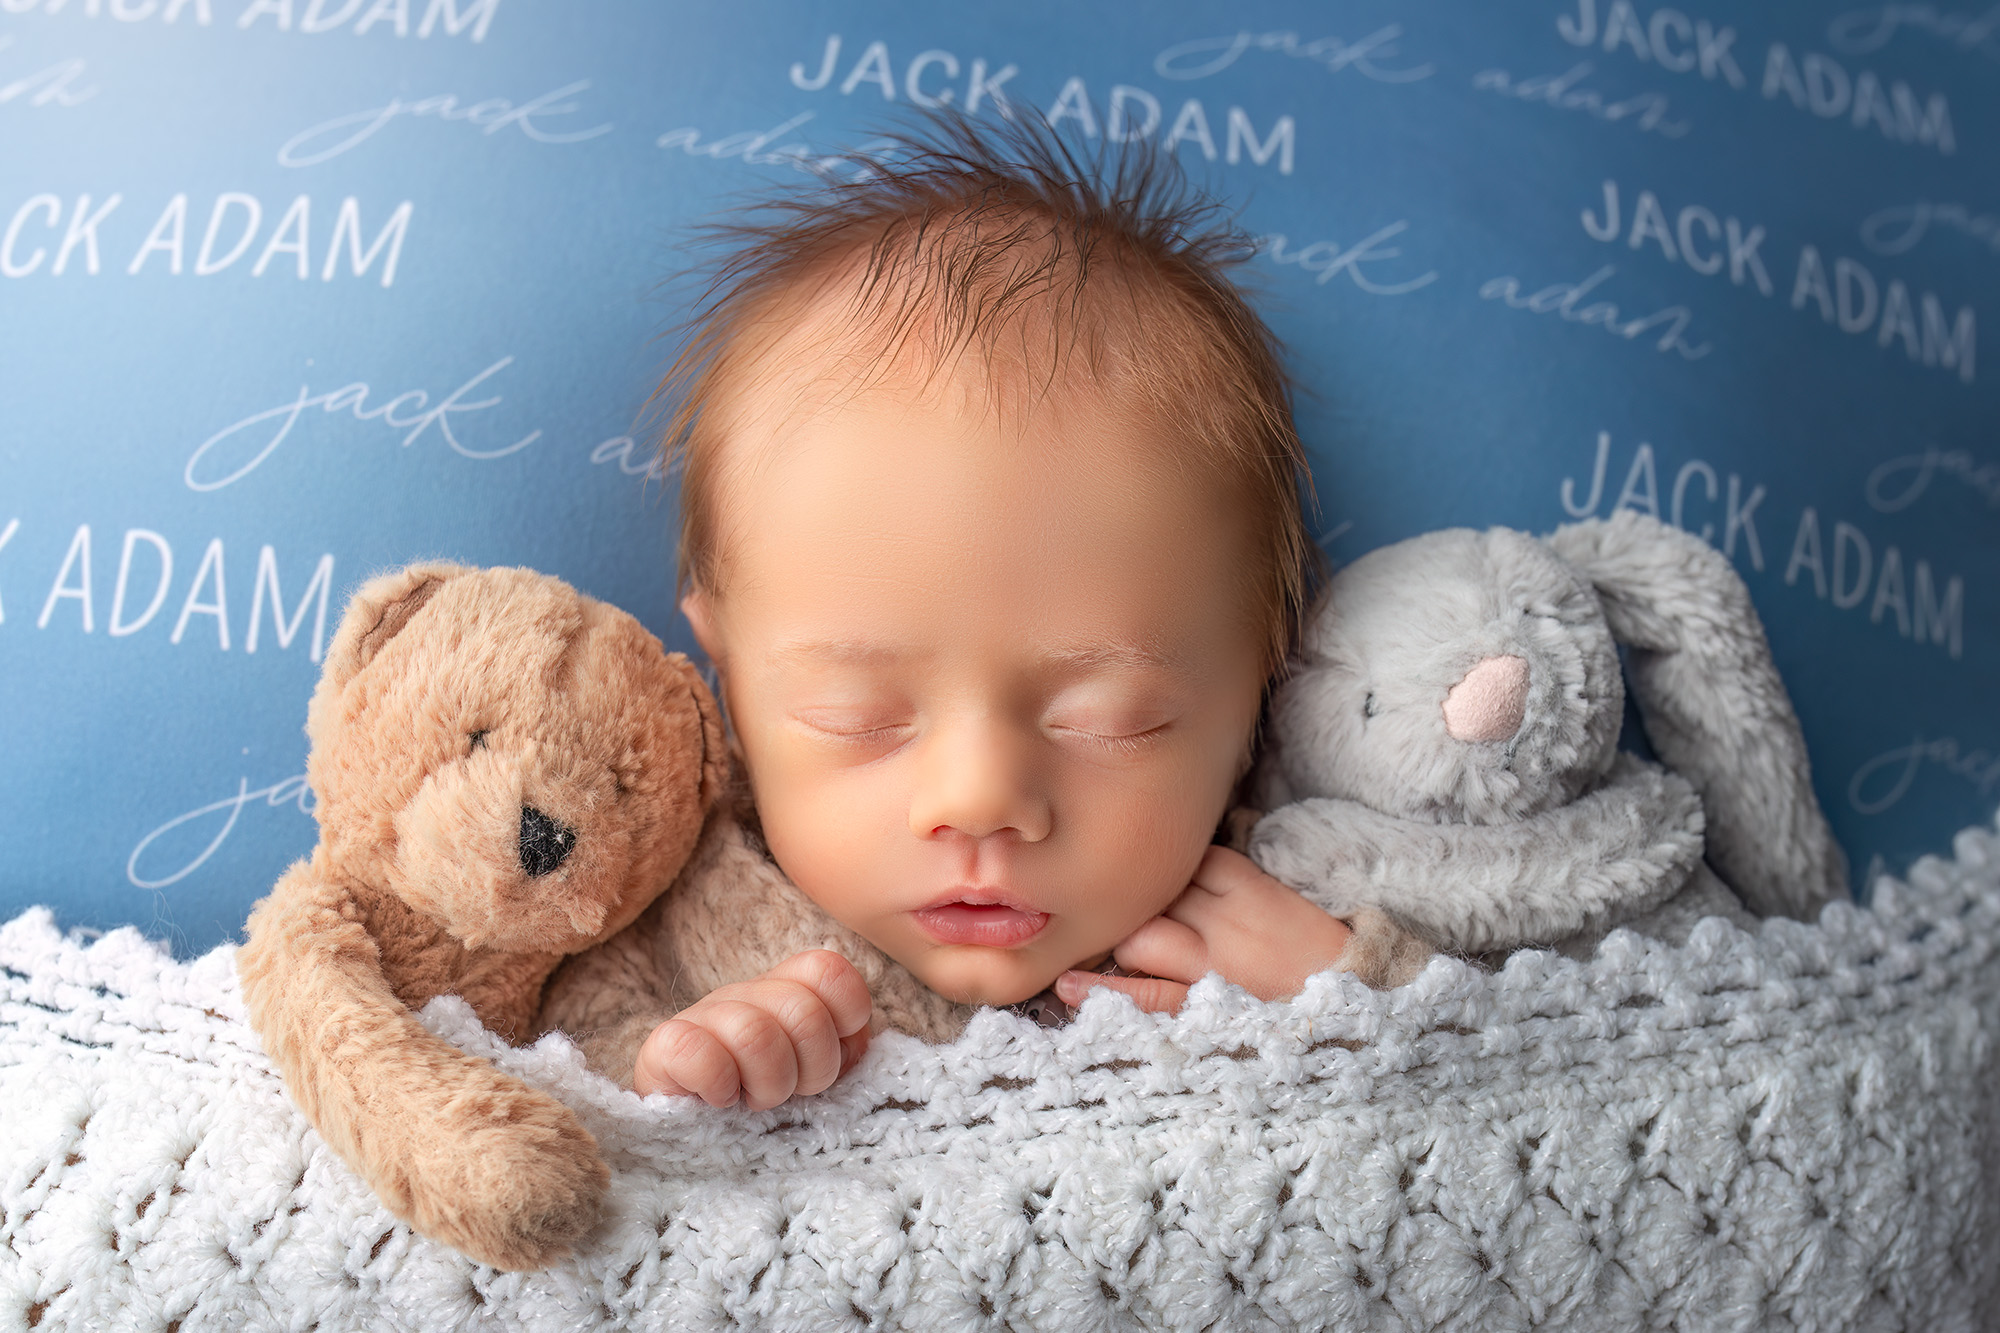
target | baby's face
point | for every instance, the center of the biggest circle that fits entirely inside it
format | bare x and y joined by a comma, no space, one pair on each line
994,681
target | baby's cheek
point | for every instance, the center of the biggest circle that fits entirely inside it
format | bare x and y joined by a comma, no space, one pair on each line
820,826
1159,832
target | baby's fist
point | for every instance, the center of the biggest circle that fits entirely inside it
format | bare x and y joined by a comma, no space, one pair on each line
793,1030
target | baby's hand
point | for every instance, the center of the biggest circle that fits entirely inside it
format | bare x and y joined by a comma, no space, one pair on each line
795,1029
1234,919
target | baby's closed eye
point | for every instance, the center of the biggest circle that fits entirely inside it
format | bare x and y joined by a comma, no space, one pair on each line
855,731
1110,715
850,721
1116,734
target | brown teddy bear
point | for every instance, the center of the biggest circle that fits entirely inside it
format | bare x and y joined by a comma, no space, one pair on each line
507,772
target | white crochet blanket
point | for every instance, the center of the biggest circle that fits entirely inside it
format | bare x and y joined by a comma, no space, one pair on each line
1795,1129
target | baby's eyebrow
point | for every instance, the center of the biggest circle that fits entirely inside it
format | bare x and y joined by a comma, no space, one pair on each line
1086,657
844,651
1080,657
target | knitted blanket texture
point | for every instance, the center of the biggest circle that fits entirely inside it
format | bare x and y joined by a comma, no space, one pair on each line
1792,1129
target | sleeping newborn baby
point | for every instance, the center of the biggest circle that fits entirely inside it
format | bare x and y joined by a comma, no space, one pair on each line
991,528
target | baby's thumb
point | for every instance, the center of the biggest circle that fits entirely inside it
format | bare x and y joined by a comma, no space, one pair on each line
1156,995
852,1049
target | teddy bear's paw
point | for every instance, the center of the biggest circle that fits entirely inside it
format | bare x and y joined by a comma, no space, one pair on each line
1383,952
517,1183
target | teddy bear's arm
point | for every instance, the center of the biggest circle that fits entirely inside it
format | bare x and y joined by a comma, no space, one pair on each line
460,1151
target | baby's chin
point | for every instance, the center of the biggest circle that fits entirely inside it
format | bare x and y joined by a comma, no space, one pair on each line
968,974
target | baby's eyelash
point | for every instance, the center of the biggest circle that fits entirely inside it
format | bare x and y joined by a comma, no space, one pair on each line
1124,744
853,734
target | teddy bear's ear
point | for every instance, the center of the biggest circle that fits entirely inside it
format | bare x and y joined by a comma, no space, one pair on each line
1715,710
378,611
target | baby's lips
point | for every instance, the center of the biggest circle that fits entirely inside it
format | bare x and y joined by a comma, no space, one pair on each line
975,895
994,925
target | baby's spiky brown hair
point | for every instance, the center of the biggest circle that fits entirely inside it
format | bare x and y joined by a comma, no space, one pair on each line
997,239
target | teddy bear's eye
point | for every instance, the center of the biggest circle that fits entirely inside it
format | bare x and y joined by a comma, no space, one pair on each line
477,739
1368,708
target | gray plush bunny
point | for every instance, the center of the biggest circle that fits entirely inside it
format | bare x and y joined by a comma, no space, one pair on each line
1446,749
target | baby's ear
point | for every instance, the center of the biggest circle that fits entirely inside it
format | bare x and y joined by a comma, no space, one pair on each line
700,615
379,611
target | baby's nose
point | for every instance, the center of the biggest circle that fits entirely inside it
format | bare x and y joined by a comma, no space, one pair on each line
1490,702
976,779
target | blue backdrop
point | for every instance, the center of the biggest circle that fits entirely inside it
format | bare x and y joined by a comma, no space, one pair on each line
292,291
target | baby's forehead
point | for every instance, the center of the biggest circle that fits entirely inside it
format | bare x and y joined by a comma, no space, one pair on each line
816,437
890,491
898,528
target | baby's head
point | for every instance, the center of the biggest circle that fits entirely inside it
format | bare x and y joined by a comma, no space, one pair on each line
991,526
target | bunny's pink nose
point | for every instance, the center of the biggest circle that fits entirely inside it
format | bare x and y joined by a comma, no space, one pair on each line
1489,703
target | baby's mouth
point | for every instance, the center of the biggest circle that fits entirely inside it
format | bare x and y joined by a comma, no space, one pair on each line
994,925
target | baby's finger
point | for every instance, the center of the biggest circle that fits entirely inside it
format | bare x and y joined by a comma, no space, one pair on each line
838,984
1153,994
767,1061
852,1048
1166,948
1199,909
1224,870
808,1024
683,1059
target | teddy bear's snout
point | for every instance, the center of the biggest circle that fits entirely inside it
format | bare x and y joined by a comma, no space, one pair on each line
546,842
1489,702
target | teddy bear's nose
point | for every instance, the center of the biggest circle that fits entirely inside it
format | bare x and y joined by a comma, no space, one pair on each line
1490,702
545,842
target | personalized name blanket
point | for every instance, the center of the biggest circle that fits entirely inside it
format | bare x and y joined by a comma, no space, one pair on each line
1795,1128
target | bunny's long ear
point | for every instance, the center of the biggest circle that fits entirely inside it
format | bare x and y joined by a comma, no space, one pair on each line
1715,711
